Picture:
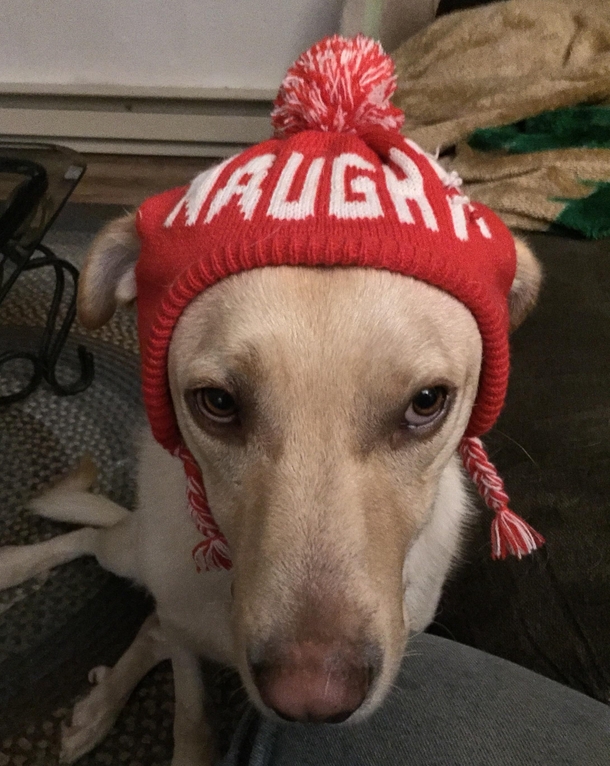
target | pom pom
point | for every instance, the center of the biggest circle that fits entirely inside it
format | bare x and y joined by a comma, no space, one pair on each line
342,85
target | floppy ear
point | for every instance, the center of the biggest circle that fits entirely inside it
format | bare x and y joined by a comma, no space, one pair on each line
526,284
108,277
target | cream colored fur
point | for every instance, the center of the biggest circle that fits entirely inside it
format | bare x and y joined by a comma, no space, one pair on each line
325,503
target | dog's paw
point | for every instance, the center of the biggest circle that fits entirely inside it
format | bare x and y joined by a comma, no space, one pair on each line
98,674
17,565
92,717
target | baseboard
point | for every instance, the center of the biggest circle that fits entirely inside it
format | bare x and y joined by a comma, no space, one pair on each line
170,121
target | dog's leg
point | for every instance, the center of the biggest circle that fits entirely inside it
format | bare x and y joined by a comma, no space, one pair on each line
20,562
193,739
94,716
70,501
112,547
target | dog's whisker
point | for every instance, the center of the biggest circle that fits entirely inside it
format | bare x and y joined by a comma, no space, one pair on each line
444,628
517,444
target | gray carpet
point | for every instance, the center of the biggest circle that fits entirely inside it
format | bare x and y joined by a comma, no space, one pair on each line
55,628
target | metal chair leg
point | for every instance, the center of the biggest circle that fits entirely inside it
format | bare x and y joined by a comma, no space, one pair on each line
54,335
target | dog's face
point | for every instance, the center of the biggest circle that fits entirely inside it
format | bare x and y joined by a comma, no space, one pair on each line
322,406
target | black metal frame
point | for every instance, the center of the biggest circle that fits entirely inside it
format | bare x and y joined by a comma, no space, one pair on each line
44,361
23,203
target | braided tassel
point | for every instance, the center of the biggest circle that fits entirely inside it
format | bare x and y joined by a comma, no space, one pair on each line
510,534
213,551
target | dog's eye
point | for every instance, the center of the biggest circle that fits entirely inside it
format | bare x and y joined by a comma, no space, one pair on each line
426,406
216,404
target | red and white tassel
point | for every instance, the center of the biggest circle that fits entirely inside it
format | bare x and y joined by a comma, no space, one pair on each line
510,534
213,551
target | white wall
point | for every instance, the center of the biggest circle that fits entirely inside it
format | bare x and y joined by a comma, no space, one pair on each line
182,43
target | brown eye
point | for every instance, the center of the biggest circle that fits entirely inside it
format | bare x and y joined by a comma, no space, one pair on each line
426,406
216,404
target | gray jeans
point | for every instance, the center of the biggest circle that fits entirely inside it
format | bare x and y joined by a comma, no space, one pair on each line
451,706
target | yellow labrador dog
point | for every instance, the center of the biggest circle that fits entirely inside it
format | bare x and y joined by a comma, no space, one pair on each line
342,529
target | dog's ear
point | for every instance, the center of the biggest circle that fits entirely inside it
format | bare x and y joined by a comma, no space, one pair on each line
526,284
108,277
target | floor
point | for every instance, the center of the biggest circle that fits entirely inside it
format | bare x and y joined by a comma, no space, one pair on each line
128,180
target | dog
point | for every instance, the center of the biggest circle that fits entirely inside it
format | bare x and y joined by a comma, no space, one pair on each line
339,490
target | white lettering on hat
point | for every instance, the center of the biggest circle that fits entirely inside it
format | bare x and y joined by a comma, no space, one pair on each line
197,193
304,206
409,189
457,206
249,193
340,206
482,224
457,203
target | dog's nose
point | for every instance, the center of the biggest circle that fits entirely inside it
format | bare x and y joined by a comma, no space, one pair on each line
311,681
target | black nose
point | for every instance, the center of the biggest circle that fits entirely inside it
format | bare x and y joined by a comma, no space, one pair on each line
314,681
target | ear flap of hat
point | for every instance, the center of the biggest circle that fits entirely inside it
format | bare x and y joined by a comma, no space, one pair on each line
108,277
526,284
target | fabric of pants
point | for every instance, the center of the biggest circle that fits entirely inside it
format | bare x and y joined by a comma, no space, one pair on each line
451,705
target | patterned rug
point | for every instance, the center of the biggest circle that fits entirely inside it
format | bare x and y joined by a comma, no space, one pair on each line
54,628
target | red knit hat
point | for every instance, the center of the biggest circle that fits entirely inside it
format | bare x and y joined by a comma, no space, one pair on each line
338,185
